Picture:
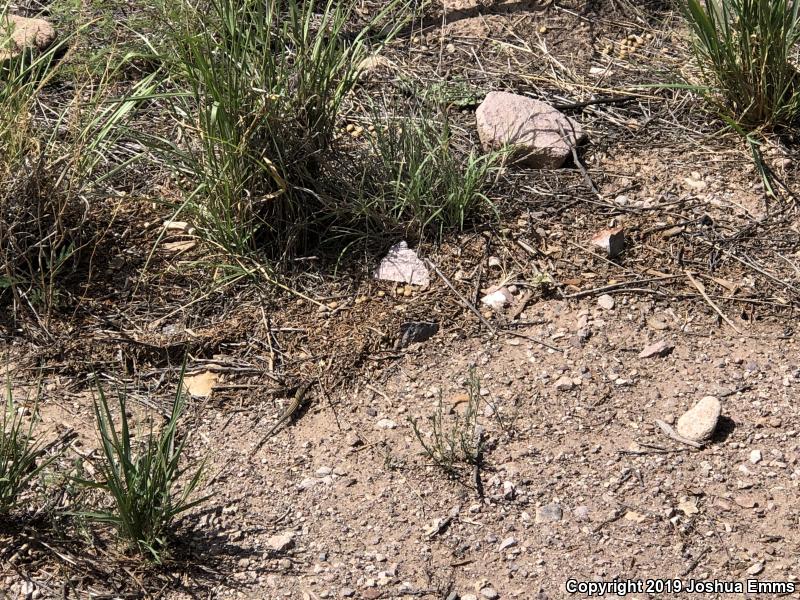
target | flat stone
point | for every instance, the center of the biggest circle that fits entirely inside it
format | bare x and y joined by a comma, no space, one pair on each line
656,349
549,513
564,384
26,33
402,264
201,384
541,136
386,424
756,569
755,456
699,422
507,543
490,593
581,513
281,542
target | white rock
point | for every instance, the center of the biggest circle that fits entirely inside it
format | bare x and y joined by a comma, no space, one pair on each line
699,422
497,300
386,424
402,264
756,568
755,456
605,302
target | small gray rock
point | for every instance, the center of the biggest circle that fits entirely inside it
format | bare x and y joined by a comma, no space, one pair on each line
507,543
549,513
490,593
347,592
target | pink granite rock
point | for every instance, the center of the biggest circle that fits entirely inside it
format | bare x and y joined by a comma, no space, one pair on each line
24,33
541,136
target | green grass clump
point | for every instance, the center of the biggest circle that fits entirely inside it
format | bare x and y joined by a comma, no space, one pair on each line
424,181
260,86
56,159
142,478
19,452
746,50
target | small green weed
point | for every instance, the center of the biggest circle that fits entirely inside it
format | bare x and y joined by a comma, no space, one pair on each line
454,447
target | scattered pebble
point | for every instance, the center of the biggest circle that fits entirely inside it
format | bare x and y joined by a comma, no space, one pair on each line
606,302
281,542
564,384
386,424
755,456
497,300
507,543
656,349
756,568
549,513
611,241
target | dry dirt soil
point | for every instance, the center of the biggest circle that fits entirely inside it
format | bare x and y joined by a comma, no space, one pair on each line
575,479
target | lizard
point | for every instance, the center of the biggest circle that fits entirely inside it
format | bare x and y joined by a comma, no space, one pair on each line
291,410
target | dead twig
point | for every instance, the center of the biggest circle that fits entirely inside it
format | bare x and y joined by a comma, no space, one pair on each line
710,302
461,297
671,433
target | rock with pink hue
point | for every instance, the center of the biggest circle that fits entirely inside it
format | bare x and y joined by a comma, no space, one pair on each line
402,264
541,136
23,33
611,241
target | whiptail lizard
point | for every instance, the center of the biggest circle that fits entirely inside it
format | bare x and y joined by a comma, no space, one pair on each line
294,406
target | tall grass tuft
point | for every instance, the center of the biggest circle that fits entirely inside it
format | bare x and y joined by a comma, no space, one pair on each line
424,181
142,478
19,454
55,160
747,51
260,87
